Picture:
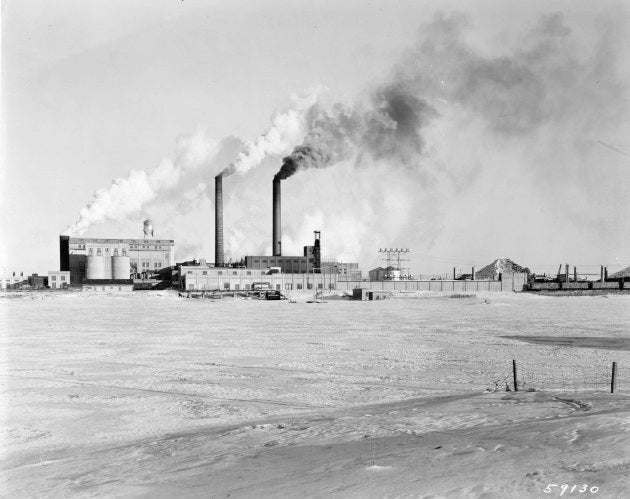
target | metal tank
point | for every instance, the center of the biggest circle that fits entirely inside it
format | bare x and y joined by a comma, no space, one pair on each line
99,267
121,267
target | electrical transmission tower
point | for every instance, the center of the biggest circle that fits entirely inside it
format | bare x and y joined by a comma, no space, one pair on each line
394,257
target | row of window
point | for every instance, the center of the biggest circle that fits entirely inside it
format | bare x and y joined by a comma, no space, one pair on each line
146,264
273,262
287,287
220,272
99,252
103,288
132,246
61,278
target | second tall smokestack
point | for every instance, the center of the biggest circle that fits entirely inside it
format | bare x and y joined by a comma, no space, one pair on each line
276,230
218,221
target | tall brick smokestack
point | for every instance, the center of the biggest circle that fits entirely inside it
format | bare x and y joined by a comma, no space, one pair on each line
277,230
218,221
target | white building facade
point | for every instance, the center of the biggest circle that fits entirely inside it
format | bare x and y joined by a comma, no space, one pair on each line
58,279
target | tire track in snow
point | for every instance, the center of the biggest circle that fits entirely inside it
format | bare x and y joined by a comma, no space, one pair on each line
167,392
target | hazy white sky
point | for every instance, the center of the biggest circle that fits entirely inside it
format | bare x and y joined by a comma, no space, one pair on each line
94,89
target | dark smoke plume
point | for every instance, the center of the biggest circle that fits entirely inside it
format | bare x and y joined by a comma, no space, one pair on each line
541,80
389,129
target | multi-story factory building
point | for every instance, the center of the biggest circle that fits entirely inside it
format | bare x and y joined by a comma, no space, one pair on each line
286,264
104,259
347,271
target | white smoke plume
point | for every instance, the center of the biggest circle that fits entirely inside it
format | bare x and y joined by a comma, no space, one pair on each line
287,128
180,177
127,196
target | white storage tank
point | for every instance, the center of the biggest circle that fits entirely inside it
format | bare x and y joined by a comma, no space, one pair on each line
121,267
99,267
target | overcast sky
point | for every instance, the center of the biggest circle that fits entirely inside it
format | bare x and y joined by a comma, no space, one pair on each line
523,145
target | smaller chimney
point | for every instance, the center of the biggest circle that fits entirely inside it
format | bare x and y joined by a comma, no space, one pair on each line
147,228
317,251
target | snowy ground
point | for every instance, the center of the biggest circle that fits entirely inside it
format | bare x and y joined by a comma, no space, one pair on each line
157,396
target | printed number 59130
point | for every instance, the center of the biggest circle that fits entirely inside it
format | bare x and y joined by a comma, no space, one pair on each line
564,487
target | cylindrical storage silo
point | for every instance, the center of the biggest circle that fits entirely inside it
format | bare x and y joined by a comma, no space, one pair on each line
99,267
121,267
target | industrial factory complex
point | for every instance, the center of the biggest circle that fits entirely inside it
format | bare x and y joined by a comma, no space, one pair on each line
99,259
99,264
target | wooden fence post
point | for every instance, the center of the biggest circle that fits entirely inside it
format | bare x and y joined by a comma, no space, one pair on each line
613,379
514,373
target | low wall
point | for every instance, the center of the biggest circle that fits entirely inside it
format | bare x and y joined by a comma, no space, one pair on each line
575,285
606,285
445,286
536,286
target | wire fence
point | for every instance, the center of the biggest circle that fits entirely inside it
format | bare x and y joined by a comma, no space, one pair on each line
455,376
610,378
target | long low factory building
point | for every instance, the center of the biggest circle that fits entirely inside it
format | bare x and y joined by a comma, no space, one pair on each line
199,278
195,278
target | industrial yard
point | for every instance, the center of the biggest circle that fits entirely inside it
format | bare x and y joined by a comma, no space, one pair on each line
151,395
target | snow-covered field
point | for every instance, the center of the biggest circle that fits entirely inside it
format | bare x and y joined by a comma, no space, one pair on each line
152,395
